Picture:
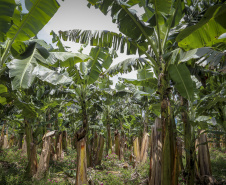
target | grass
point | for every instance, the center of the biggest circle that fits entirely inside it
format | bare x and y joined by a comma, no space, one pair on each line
218,162
111,172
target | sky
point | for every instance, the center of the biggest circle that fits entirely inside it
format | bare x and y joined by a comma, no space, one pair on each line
74,14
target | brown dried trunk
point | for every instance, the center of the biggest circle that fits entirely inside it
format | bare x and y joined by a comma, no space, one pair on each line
180,148
81,175
144,148
5,144
203,155
59,146
95,145
156,154
20,141
43,165
136,150
64,141
24,146
117,143
100,150
11,141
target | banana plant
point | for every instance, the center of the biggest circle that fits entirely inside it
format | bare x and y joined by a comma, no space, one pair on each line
156,35
18,27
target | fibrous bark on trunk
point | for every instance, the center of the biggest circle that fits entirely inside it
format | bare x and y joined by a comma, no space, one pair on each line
24,146
81,175
156,154
144,148
100,150
117,143
203,155
31,152
5,143
136,149
43,165
167,131
64,141
59,146
188,145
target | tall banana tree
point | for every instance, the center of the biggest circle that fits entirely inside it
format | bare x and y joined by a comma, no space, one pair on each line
155,35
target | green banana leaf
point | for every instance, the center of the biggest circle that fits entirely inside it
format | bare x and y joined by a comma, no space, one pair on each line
206,32
25,71
148,82
206,55
181,76
129,23
3,89
28,109
6,13
126,66
40,12
66,59
101,58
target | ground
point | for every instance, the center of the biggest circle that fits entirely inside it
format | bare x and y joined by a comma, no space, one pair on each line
111,172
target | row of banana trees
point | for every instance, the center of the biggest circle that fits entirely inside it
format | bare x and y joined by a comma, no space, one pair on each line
181,72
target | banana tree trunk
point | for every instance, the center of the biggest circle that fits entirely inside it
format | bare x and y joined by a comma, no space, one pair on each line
43,165
58,146
100,150
189,147
136,150
122,143
5,143
89,152
109,145
144,148
203,155
155,154
2,136
167,132
64,141
81,175
31,152
95,144
20,141
117,143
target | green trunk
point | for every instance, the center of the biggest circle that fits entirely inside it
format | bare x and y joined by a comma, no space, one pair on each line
167,132
189,149
31,152
109,146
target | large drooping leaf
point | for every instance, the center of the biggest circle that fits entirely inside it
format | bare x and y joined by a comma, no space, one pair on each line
6,13
24,71
129,24
102,39
207,31
101,59
28,109
143,74
182,78
126,66
205,105
40,12
149,82
66,59
205,55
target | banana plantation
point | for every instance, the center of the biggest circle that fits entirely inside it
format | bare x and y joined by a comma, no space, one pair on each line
64,120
